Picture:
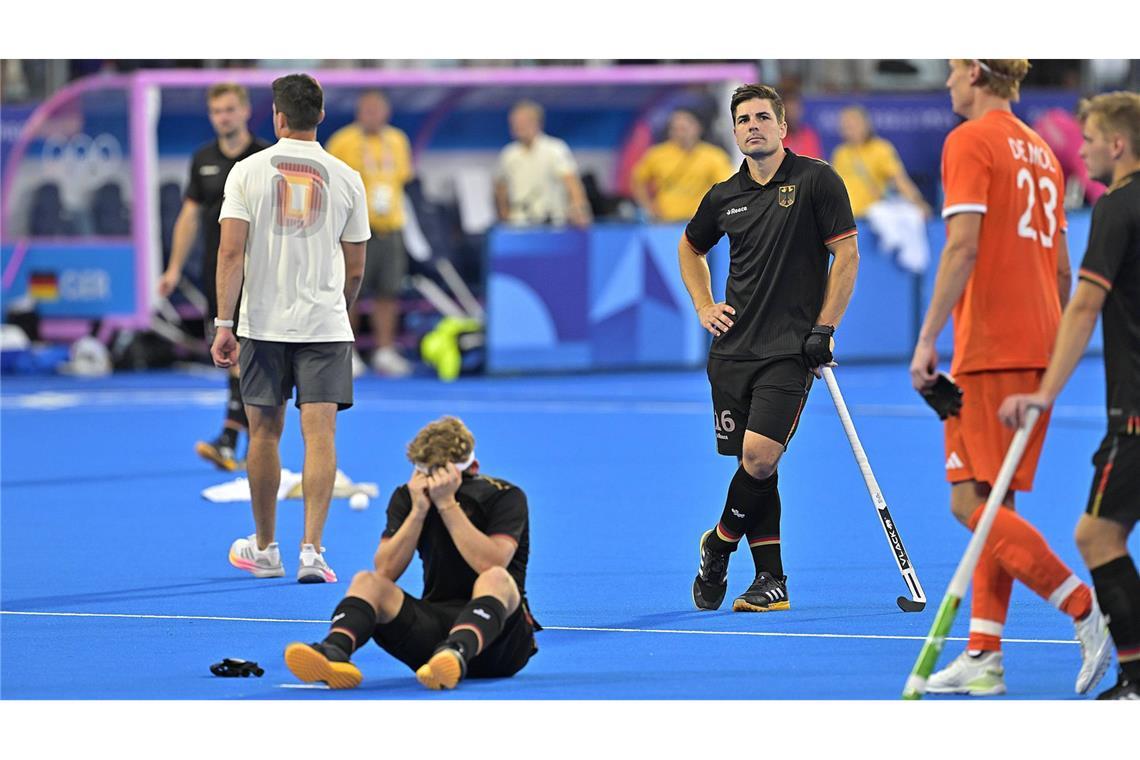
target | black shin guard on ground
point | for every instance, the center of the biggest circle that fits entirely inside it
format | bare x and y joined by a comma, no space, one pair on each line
1118,593
745,505
355,615
235,407
764,535
477,626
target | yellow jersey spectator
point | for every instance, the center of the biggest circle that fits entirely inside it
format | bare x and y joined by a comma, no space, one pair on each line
672,177
873,172
383,156
869,165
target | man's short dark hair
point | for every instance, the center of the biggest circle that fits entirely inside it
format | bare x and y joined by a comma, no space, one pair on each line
757,91
301,99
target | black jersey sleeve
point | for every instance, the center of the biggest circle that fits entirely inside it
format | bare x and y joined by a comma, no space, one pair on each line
832,206
509,515
704,229
194,186
399,507
1110,240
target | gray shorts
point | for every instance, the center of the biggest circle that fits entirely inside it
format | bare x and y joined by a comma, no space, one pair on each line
321,372
385,264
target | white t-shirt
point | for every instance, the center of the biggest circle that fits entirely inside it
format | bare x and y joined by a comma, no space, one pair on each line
536,186
300,202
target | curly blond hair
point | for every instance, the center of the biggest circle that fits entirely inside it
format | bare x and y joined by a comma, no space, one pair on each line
444,440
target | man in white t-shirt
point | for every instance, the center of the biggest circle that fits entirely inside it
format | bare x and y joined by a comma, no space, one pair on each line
537,180
294,223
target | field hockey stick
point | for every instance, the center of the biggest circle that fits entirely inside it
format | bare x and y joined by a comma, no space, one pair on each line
948,610
917,600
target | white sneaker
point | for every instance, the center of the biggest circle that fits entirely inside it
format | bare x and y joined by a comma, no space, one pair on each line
359,368
313,567
387,362
977,676
263,563
1096,648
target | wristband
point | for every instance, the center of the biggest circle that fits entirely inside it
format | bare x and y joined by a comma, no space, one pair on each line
223,322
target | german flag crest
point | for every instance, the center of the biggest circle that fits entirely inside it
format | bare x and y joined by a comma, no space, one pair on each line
787,195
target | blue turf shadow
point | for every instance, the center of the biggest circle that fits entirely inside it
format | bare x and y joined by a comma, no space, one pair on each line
135,594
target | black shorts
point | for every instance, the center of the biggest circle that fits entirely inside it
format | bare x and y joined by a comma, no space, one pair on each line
768,395
270,370
419,627
1115,493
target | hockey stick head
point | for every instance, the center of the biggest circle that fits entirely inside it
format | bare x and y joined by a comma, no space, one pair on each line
909,605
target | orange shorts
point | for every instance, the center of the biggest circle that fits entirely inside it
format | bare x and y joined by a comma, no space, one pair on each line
977,442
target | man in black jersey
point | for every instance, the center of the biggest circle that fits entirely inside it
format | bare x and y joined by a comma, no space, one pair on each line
472,534
229,113
1109,284
785,216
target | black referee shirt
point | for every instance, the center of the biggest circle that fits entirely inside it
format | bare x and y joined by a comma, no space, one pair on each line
778,236
208,171
495,507
1112,261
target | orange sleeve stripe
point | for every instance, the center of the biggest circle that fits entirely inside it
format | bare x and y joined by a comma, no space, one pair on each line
696,249
1095,279
841,236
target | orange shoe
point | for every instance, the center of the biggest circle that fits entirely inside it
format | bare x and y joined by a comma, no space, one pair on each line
444,670
322,662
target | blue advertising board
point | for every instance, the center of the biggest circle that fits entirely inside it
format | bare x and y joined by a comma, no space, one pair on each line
67,279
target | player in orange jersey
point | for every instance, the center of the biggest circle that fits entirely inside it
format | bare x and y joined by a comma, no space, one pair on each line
1005,275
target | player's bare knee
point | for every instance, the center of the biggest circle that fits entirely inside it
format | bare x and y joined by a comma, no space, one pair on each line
1099,541
759,462
497,582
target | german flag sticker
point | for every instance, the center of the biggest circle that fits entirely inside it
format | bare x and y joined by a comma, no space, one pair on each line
44,286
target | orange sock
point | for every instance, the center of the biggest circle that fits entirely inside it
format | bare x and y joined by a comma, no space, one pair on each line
990,604
1023,553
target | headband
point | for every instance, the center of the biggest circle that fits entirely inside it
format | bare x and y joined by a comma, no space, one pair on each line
995,74
460,465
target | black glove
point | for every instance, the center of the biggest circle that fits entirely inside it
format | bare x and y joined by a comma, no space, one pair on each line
817,346
232,668
944,397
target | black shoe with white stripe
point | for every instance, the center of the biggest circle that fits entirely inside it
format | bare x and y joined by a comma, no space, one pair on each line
766,594
712,576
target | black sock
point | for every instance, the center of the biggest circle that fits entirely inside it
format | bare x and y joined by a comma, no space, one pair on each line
235,410
356,616
764,535
744,505
477,626
229,438
1118,593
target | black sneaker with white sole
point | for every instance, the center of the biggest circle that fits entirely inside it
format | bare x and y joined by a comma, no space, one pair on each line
712,577
766,594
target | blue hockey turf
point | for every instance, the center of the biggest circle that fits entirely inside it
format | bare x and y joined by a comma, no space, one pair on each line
115,582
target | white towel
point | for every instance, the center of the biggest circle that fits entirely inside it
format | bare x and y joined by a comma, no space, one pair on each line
901,230
290,488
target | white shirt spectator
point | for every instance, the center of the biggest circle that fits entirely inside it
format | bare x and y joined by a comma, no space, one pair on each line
535,179
300,202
